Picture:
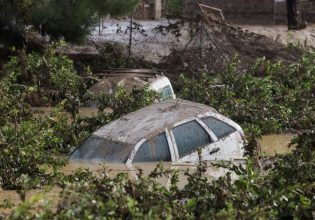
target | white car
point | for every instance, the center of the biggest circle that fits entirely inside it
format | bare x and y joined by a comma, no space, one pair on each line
170,131
129,78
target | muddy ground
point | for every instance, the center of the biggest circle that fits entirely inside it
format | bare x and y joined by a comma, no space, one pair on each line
179,47
152,45
280,33
206,48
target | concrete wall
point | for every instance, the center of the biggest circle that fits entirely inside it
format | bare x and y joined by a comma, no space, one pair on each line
157,9
255,11
149,10
307,8
237,11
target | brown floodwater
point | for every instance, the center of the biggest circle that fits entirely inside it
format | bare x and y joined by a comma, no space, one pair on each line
270,144
52,195
276,144
49,110
40,197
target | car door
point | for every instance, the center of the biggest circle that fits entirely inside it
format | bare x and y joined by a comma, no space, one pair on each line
229,140
214,137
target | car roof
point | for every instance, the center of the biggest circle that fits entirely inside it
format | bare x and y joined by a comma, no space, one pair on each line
128,78
151,120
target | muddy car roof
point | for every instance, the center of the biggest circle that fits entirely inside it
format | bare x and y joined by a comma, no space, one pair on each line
141,73
151,120
127,78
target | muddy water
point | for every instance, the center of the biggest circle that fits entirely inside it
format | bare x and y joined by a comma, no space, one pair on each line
270,144
276,144
82,111
146,168
112,170
42,196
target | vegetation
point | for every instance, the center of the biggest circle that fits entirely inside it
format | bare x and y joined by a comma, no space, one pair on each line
270,97
274,97
70,19
266,98
285,190
174,8
35,146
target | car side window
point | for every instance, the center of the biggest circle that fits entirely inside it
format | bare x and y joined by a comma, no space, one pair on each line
189,137
218,127
154,150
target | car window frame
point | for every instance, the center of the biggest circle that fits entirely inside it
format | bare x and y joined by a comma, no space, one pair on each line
171,138
222,118
225,134
143,140
212,136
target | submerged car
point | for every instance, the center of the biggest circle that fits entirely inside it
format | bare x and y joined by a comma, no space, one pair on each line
173,131
129,78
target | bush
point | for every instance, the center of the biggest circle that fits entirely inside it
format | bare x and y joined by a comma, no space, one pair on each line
283,190
72,20
272,96
51,76
24,152
34,146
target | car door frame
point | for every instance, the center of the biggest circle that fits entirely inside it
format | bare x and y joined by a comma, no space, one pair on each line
212,136
143,140
171,138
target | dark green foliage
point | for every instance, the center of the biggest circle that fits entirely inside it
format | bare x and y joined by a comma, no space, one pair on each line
267,98
272,193
34,146
26,143
124,101
13,16
72,20
115,7
23,152
272,96
174,8
50,76
13,107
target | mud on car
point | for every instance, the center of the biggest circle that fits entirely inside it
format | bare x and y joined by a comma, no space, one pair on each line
129,78
170,131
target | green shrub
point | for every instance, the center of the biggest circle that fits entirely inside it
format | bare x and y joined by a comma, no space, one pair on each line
34,146
72,20
284,190
272,96
24,152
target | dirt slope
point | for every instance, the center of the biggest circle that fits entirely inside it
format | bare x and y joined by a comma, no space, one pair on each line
225,41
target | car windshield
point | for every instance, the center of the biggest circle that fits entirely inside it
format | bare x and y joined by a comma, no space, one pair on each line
166,93
97,148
